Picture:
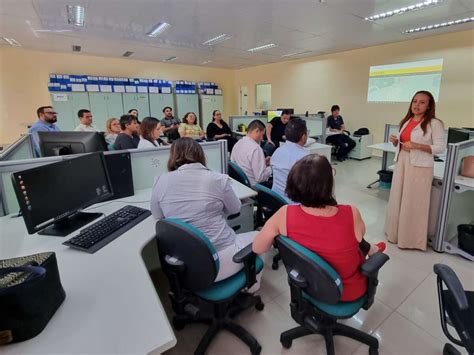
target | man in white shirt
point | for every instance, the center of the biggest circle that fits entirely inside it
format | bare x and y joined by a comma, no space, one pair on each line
85,117
248,154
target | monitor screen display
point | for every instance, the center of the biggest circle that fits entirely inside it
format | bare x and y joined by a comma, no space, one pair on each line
51,192
119,166
456,135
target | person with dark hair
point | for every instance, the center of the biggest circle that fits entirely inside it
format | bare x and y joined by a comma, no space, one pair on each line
421,136
150,132
218,129
47,119
338,137
134,112
190,127
334,232
85,119
201,197
276,132
248,154
289,153
170,124
128,138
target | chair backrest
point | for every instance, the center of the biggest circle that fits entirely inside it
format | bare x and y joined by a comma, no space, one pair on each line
268,200
323,282
236,173
180,240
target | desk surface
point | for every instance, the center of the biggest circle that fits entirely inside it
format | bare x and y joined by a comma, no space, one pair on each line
111,305
386,147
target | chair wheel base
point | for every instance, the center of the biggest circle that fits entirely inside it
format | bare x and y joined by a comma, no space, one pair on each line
260,306
275,266
286,343
178,324
256,350
373,351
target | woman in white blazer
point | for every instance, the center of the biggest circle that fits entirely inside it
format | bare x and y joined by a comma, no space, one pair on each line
150,131
420,137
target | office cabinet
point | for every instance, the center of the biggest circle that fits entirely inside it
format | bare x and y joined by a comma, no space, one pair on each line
137,101
105,105
361,150
186,103
207,104
158,102
67,104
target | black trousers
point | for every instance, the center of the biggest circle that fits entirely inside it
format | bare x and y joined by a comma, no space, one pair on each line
343,143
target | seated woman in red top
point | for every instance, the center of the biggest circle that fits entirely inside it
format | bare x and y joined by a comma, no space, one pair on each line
335,232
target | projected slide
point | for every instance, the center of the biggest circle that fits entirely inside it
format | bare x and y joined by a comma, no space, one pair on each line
398,82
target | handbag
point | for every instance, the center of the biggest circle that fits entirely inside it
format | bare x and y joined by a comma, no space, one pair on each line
30,294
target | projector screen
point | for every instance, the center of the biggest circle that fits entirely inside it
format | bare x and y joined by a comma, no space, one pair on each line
398,82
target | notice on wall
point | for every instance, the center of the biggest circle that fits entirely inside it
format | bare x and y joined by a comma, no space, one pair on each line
59,97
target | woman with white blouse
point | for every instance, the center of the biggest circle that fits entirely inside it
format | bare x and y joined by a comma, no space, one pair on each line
421,136
150,132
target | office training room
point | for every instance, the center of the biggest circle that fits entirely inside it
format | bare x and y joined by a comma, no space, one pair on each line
233,177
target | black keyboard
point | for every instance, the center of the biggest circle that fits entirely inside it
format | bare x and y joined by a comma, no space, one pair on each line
104,231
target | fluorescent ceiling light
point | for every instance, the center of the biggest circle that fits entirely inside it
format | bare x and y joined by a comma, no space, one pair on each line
75,15
127,54
295,54
170,59
404,10
11,41
261,48
206,62
158,29
220,38
439,25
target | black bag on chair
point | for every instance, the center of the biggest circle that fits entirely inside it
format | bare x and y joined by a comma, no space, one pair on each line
30,294
361,132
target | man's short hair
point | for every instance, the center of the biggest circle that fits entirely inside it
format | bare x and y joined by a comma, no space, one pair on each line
286,112
295,129
255,124
164,109
40,110
126,120
81,112
334,108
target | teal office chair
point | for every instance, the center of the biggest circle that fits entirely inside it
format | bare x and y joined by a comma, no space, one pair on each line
191,264
110,147
236,173
268,202
316,289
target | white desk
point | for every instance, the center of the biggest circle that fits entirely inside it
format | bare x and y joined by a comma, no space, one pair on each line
111,305
385,147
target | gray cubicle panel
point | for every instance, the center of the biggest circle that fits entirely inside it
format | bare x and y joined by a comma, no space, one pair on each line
158,102
19,150
187,103
234,121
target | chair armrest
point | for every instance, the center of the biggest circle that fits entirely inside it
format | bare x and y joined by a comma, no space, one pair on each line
247,256
373,264
296,279
453,284
243,254
175,264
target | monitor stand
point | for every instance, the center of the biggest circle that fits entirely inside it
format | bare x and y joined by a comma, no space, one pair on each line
68,225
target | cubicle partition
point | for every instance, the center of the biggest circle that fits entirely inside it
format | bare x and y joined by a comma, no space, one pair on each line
235,121
457,201
21,149
146,165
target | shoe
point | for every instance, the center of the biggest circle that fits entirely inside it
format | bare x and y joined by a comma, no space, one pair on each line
381,246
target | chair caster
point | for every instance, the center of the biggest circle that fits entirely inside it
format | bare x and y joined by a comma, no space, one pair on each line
373,351
286,343
256,350
260,306
178,324
275,266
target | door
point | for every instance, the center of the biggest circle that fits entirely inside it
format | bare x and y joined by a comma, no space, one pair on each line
114,105
98,103
187,103
136,101
243,101
158,102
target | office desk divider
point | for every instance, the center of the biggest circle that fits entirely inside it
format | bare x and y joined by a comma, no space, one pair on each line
457,202
21,149
146,165
234,121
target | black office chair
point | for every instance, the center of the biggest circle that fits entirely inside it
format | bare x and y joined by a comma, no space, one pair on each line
268,203
456,308
236,173
315,292
191,264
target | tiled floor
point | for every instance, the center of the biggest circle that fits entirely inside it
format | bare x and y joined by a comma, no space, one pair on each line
404,316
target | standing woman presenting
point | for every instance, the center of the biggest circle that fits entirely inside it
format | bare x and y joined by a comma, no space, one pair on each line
421,136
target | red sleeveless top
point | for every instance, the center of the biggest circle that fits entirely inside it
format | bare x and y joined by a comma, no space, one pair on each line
334,240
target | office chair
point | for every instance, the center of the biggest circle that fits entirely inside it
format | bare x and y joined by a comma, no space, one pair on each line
315,292
191,264
268,202
236,173
456,308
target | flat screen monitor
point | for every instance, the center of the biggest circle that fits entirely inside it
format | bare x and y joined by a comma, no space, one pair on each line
272,114
291,110
51,196
456,135
65,143
119,167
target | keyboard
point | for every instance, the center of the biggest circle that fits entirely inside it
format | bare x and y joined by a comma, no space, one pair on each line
104,231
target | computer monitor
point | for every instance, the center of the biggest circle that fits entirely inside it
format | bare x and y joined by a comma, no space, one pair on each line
65,143
456,135
272,114
119,167
291,110
51,196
